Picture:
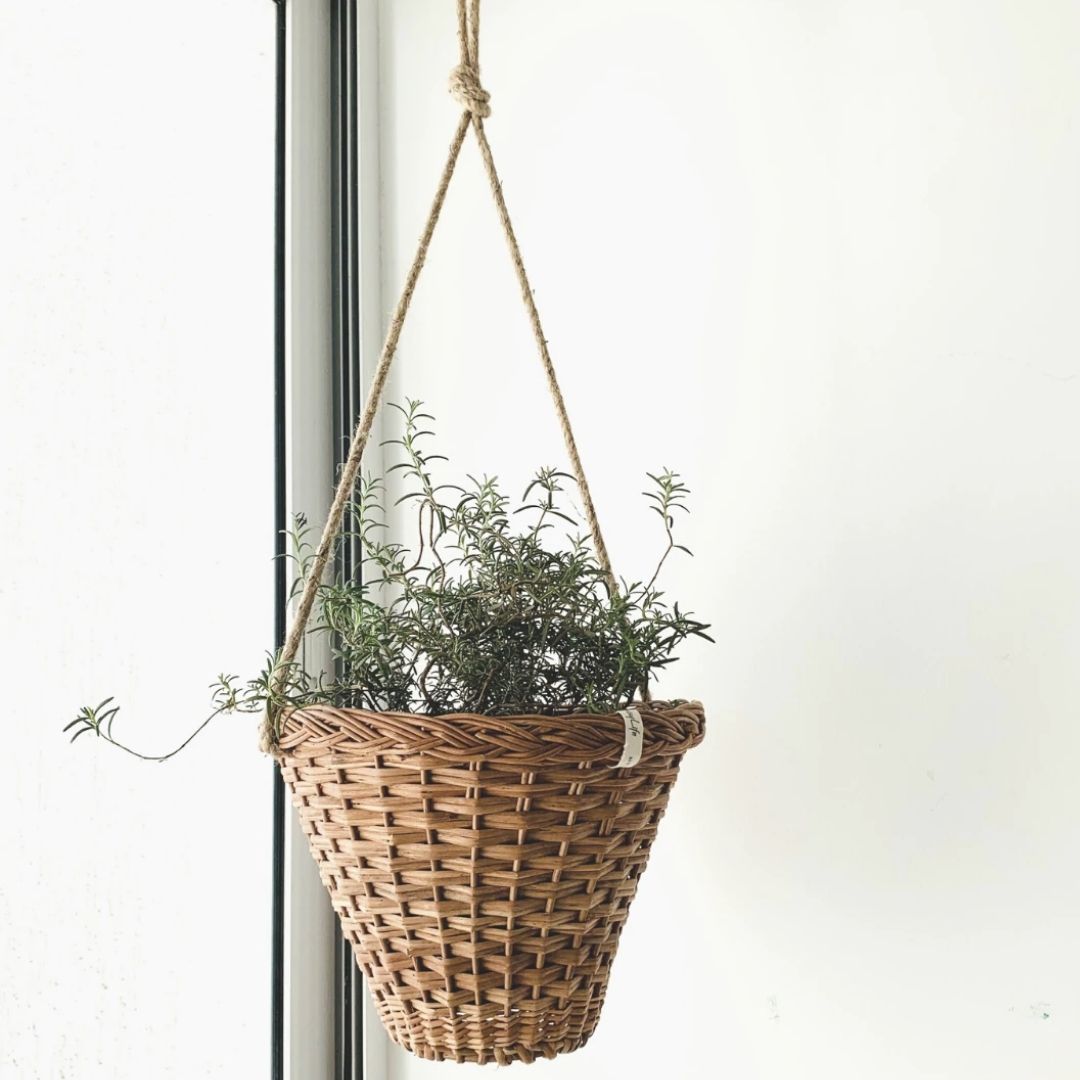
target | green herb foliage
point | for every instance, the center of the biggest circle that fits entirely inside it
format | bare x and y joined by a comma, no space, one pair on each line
494,608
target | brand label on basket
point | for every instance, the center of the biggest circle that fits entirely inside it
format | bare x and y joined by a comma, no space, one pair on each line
633,737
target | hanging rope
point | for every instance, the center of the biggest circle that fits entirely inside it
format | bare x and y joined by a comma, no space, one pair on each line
466,89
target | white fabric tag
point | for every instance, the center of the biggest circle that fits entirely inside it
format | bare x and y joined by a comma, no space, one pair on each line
633,738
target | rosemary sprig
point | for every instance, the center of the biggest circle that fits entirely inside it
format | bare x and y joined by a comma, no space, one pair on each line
493,610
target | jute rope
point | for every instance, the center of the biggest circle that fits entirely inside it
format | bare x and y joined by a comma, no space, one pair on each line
466,89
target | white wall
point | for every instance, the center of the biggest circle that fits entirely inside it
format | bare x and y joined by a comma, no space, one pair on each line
136,448
824,259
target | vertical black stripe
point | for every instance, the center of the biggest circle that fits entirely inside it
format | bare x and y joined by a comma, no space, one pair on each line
277,905
345,379
342,1044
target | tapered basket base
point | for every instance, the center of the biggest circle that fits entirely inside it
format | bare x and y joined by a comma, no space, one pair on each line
483,867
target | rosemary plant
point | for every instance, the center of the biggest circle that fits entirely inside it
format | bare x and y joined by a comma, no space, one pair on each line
494,608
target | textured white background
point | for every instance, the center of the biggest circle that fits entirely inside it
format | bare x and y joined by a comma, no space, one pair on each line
823,258
136,358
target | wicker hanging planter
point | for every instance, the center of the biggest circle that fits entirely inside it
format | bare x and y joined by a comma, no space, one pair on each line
482,867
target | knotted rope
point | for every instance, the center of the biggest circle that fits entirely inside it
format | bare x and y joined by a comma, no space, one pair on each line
466,89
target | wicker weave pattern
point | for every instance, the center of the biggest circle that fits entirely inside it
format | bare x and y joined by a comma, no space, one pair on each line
482,867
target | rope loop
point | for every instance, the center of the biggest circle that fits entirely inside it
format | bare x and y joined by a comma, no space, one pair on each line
475,100
466,90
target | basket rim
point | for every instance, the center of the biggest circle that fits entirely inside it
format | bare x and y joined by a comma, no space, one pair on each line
573,738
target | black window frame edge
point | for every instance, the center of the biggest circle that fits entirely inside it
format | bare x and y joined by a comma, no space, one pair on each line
277,903
347,393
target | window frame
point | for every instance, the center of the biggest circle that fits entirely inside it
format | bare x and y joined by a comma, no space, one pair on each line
328,331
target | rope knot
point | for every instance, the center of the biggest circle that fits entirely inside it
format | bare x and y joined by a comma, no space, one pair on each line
466,90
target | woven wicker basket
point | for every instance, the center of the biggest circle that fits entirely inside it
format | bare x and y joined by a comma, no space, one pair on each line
483,867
